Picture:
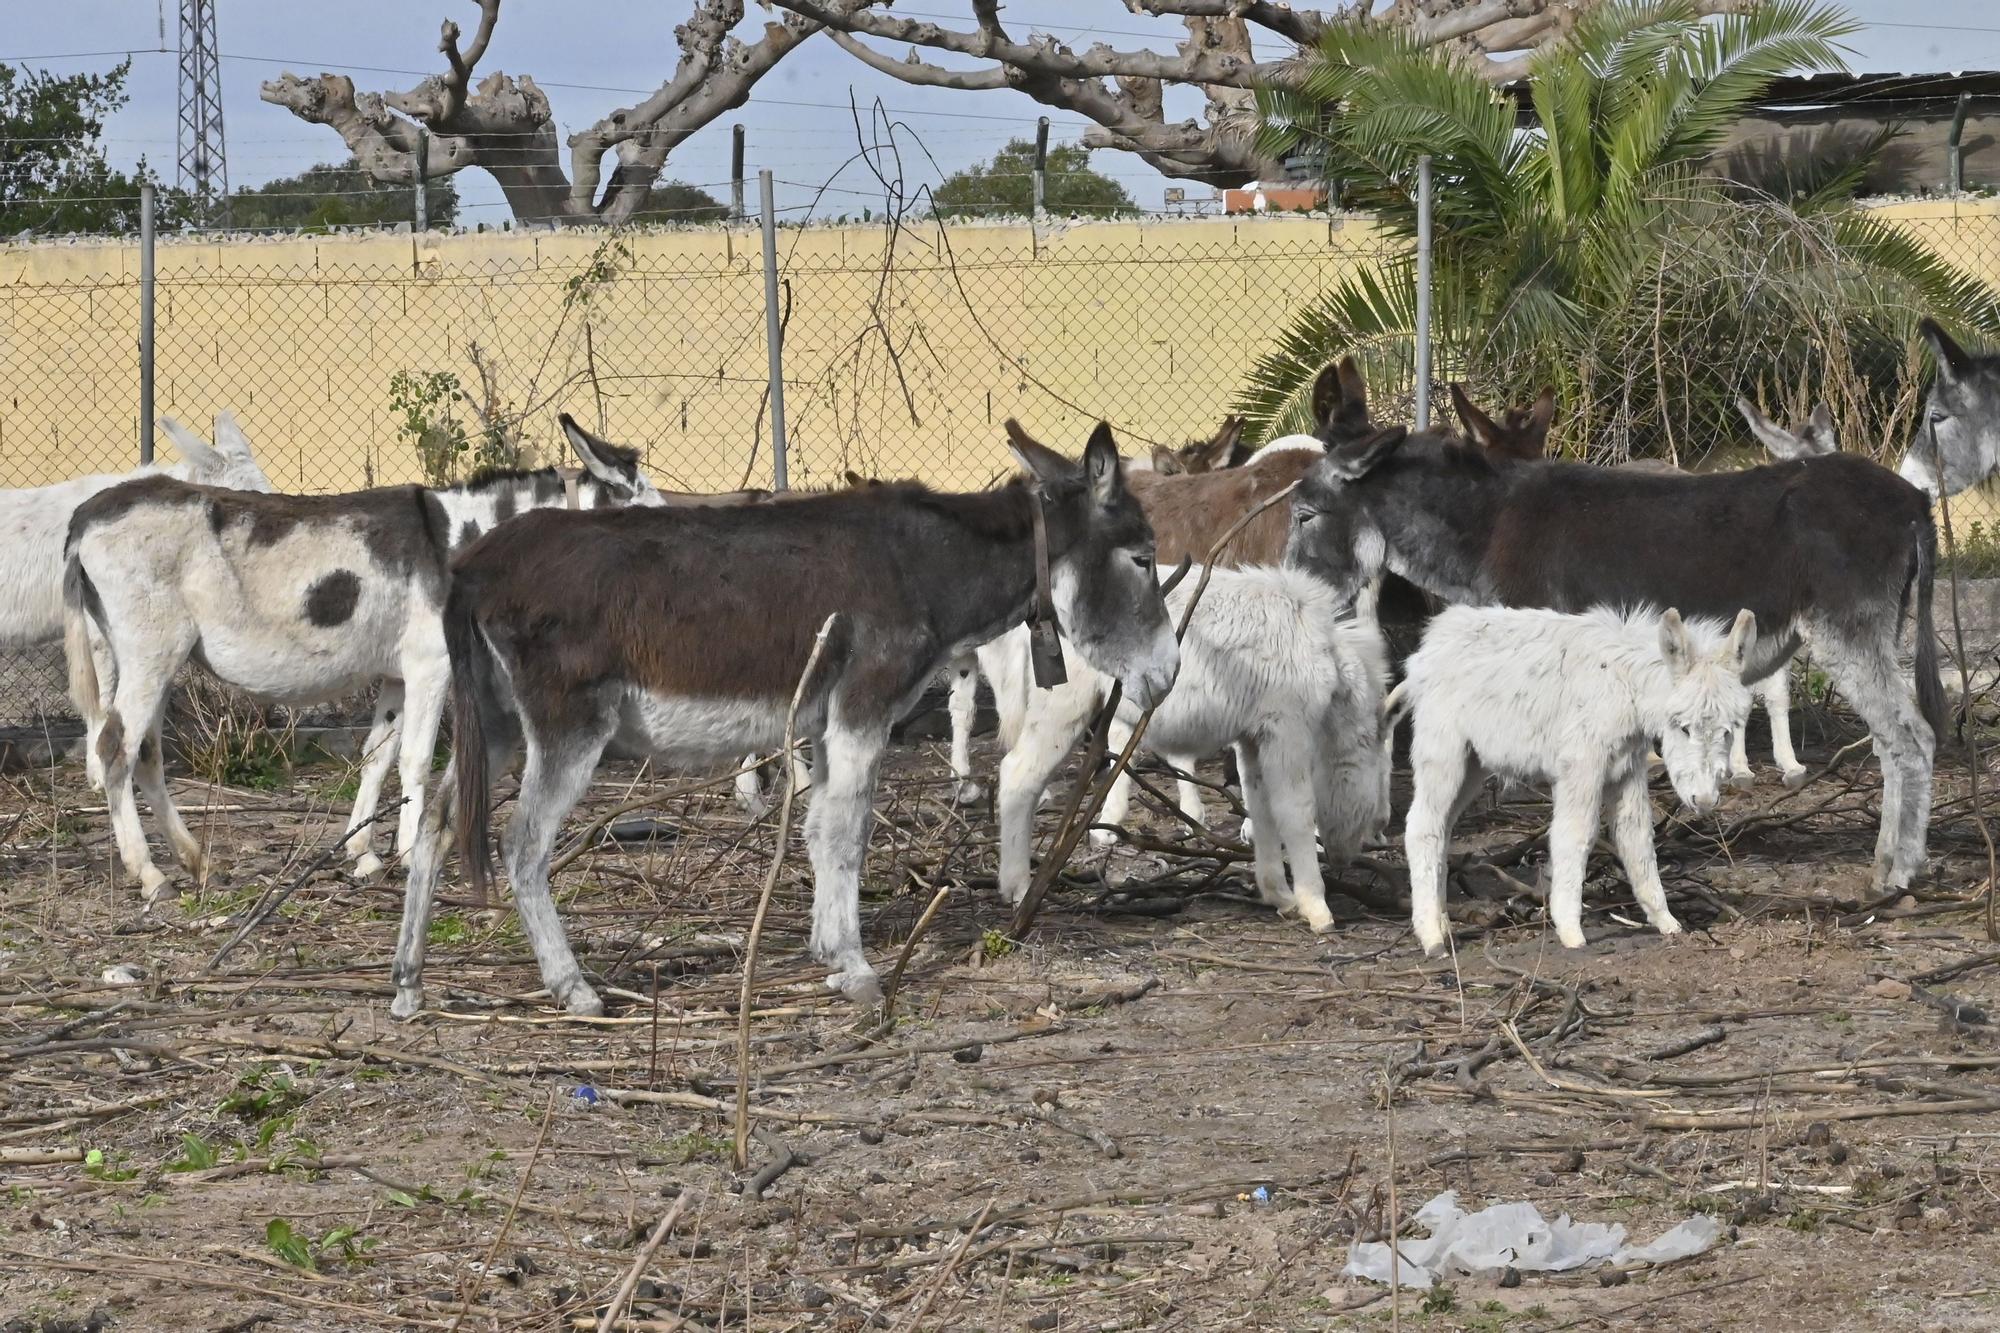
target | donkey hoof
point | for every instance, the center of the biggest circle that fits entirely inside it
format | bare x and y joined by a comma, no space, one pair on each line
409,1002
152,884
369,866
582,1002
967,792
1103,837
1571,939
1667,925
860,985
1795,778
1320,922
1742,778
1248,833
1432,947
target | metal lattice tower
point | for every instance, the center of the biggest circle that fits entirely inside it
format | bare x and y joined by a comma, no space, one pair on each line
204,170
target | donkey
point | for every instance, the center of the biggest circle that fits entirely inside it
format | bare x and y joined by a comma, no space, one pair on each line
1522,432
1957,446
294,598
1574,701
1269,668
35,520
1224,449
1828,546
684,633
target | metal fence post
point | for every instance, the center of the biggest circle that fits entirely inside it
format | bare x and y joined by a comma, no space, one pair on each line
773,330
736,173
423,217
1423,403
1041,168
146,322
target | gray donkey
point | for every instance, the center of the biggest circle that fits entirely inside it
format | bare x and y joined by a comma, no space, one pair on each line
297,599
683,633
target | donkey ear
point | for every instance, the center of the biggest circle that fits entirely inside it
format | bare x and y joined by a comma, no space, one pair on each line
1541,415
613,464
1357,458
1042,463
855,481
229,436
1742,638
1780,442
1100,464
1215,454
201,459
1952,360
1478,426
1166,462
1325,395
1675,643
1818,432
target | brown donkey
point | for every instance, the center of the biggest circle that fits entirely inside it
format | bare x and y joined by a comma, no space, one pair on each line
684,634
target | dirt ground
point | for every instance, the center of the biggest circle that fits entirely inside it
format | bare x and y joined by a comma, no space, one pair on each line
1164,1109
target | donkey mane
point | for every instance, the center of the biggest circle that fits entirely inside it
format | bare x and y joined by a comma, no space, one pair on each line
496,475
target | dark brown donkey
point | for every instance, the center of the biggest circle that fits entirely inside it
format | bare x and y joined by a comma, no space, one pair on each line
1832,546
685,634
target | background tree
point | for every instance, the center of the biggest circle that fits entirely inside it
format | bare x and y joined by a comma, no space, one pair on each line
678,201
505,125
342,195
53,176
1005,187
1601,253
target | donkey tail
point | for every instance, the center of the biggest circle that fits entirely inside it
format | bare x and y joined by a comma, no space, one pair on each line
1396,700
85,690
1930,691
473,697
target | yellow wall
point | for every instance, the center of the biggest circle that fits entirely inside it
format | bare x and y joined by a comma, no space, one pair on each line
1150,324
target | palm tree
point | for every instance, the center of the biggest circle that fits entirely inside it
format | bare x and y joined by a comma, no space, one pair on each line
1596,249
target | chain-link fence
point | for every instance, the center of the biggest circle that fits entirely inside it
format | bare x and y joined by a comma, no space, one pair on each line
365,359
374,359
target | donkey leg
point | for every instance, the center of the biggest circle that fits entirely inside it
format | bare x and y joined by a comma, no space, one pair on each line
1572,833
1267,844
1188,791
152,778
1775,690
837,837
552,782
964,712
1440,774
750,791
1283,765
1866,673
377,753
133,716
419,893
1632,835
426,685
107,676
1050,724
1118,800
1740,773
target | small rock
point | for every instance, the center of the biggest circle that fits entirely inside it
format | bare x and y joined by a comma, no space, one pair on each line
1818,1134
123,974
1889,988
870,1135
1837,1153
1613,1277
1571,1162
648,1290
969,1055
1030,1155
1510,1277
876,1178
815,1298
1046,1319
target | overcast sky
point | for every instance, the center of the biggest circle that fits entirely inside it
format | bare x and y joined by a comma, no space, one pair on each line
592,56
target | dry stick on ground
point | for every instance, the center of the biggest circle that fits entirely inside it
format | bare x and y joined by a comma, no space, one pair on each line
1080,813
507,1224
910,944
1970,727
742,1157
267,904
646,1253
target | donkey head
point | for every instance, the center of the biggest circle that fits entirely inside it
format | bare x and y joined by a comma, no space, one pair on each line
614,467
1340,403
1957,445
1707,705
1518,436
227,463
1334,536
1214,454
1809,439
1107,597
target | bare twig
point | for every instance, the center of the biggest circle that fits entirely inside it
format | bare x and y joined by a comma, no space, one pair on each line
645,1256
764,898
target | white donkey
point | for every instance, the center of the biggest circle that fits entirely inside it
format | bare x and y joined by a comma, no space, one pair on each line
1268,666
1572,700
34,521
294,598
